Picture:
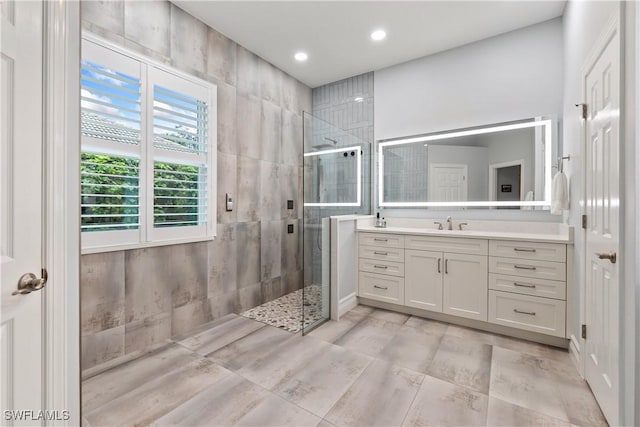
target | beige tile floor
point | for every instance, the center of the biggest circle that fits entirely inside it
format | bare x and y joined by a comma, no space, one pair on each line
372,368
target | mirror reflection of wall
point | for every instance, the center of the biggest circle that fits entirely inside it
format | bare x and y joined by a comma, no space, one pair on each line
502,166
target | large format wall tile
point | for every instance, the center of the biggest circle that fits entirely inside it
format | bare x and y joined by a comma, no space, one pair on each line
247,72
270,249
270,82
249,189
144,333
221,57
189,38
249,256
109,13
101,347
291,247
102,293
189,316
223,253
270,132
249,120
270,198
227,129
147,284
149,24
158,292
288,191
227,183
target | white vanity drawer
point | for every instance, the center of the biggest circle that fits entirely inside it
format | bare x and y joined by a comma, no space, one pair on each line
455,245
381,240
382,267
529,268
383,254
381,287
528,286
528,250
543,315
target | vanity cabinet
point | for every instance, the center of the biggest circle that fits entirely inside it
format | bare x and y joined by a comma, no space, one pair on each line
447,282
381,267
519,284
465,285
528,288
423,279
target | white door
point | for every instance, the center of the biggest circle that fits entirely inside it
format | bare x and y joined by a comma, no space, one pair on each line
21,209
423,279
602,90
447,182
465,286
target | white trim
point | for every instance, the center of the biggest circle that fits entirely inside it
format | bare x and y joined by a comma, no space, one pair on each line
62,230
493,176
548,152
142,245
151,73
574,352
347,303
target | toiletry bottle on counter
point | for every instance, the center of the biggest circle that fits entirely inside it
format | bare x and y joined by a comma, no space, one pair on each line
378,220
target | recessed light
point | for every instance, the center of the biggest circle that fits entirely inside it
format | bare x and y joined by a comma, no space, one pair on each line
358,99
301,56
378,35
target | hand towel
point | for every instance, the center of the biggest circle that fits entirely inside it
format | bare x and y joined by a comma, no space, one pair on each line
528,198
559,194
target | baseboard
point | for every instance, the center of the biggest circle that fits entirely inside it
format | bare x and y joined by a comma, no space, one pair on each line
347,303
475,324
574,351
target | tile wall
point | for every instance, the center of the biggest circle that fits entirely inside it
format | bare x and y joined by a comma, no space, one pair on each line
134,299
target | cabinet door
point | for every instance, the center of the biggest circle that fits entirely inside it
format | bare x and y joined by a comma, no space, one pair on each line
423,279
465,286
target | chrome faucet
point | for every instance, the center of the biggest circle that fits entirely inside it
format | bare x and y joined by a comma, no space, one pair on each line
449,223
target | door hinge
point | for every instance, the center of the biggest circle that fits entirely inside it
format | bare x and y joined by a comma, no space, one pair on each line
584,222
584,332
584,110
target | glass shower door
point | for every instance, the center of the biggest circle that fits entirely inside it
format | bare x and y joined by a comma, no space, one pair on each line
336,181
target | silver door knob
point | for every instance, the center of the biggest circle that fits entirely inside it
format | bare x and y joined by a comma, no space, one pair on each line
29,282
611,256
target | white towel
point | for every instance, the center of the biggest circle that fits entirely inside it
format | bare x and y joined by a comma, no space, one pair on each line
528,198
559,194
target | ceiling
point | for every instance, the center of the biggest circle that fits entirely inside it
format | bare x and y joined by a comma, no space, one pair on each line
336,34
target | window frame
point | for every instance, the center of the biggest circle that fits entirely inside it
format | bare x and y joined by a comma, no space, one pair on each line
153,73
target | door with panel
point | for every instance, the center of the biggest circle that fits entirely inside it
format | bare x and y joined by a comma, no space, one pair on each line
447,182
465,286
423,279
21,189
602,297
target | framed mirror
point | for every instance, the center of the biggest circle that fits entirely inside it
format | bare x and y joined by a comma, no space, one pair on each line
504,166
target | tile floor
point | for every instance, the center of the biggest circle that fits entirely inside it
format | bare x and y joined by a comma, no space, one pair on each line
372,368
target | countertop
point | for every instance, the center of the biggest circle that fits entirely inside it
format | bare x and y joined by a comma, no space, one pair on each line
472,234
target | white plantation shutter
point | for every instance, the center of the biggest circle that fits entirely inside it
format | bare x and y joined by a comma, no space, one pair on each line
148,143
111,128
181,176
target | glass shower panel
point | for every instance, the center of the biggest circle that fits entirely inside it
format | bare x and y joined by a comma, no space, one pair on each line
337,181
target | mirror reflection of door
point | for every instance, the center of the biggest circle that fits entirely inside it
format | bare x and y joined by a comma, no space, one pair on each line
508,181
447,182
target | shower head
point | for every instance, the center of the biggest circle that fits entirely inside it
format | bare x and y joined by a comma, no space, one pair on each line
324,145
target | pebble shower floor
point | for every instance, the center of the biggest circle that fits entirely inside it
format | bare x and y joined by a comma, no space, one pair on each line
286,312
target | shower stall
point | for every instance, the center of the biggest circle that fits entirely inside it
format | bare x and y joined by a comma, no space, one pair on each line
336,181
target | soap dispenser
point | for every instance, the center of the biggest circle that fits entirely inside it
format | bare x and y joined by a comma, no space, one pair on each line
378,221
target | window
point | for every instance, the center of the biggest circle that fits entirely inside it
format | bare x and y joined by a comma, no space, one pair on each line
148,152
